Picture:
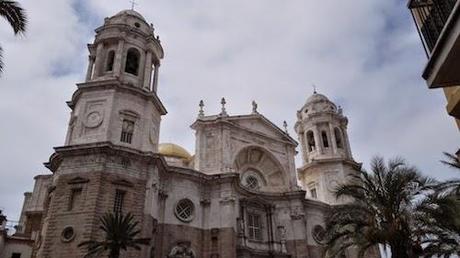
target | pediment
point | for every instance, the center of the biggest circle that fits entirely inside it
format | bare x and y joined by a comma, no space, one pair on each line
255,201
78,180
123,182
259,124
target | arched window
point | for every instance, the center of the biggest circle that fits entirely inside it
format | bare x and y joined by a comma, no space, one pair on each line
132,61
338,137
310,141
313,193
110,60
325,141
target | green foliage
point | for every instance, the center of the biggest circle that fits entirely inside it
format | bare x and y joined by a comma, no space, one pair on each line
395,206
439,217
380,210
16,17
120,234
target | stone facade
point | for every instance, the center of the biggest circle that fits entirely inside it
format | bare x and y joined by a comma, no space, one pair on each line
238,196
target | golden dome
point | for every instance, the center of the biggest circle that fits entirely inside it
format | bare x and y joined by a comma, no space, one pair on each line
173,150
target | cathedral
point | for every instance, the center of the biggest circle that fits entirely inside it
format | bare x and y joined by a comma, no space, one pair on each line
239,195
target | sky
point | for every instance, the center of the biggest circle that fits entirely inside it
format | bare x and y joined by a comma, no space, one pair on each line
365,55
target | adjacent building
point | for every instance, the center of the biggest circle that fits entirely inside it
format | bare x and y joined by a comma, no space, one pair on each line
13,243
438,24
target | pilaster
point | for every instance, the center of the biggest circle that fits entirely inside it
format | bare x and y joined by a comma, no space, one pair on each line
147,70
117,66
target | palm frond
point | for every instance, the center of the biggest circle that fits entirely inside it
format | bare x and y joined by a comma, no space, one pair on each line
451,160
14,14
120,234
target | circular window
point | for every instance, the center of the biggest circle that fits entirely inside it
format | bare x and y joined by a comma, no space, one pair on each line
252,182
184,210
319,234
137,24
68,234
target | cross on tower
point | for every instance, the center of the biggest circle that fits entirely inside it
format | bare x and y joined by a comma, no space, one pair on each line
133,3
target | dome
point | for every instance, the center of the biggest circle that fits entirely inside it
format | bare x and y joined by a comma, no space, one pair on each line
317,103
131,13
316,97
173,150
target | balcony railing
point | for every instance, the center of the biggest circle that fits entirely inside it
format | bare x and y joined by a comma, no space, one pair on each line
430,16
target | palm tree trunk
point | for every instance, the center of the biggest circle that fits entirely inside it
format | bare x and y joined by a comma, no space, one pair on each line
399,250
114,253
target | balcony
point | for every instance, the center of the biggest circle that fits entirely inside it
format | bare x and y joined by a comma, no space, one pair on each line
438,24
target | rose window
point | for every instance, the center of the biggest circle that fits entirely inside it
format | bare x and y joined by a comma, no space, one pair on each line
184,210
252,182
319,234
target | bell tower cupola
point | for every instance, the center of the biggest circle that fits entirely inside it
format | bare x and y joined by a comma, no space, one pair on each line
321,128
126,49
118,102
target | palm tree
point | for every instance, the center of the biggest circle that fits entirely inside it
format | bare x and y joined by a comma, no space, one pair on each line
450,186
439,215
16,17
380,211
120,234
438,218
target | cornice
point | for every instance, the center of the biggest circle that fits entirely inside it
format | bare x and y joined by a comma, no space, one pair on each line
320,162
117,85
100,148
227,120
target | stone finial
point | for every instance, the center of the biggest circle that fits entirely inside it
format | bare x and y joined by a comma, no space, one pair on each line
201,112
285,125
254,107
314,88
340,110
224,111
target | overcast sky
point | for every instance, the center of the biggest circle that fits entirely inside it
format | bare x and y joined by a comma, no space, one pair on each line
365,55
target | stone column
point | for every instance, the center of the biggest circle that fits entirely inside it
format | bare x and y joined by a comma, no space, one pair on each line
119,58
307,151
303,146
155,77
333,140
89,71
140,70
147,71
318,142
99,60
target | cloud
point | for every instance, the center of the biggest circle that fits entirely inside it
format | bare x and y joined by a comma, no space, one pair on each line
364,55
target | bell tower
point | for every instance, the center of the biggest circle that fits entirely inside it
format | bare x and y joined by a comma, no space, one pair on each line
118,103
326,154
108,162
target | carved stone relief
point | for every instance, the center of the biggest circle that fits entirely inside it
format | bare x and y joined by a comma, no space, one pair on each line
332,180
93,116
282,236
257,159
182,250
297,213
